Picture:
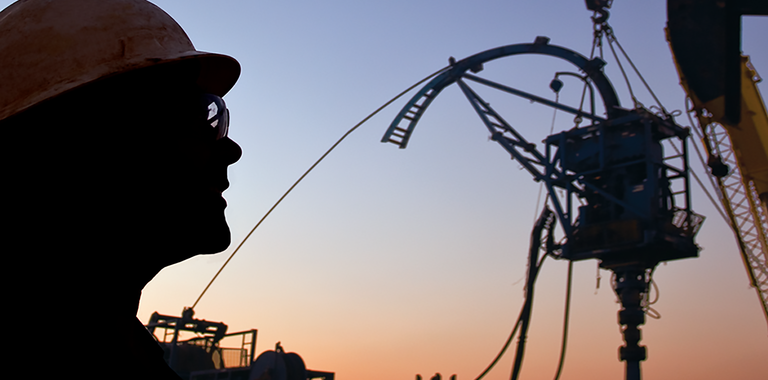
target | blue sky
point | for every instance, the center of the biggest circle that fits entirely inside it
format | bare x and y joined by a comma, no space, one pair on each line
385,263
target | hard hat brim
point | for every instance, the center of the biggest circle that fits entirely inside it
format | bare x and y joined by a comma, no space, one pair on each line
49,48
217,73
214,73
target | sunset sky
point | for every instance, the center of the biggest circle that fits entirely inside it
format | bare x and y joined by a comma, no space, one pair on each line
387,263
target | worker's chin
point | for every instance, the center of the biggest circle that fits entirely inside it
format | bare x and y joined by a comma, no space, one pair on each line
191,243
211,241
217,244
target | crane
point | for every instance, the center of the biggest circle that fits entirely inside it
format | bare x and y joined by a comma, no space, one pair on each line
732,122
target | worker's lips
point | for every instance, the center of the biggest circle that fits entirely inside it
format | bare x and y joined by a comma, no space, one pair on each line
219,199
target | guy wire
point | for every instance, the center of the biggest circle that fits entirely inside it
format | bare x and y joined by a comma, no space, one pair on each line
551,129
385,105
705,140
618,63
698,180
647,87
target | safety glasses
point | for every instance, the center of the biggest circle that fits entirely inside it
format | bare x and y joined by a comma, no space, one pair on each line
218,114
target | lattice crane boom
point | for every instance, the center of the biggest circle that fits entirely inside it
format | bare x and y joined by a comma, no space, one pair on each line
706,46
738,158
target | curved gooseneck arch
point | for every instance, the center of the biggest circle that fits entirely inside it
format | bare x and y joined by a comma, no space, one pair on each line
544,167
415,108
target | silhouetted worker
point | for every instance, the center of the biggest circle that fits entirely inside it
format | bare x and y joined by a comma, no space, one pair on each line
114,160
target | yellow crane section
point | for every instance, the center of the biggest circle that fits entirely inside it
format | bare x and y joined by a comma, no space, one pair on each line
738,156
705,39
749,138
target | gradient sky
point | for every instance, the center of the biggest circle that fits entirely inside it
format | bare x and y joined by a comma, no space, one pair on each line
385,263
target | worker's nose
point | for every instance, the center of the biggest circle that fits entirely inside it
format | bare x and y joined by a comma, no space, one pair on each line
227,151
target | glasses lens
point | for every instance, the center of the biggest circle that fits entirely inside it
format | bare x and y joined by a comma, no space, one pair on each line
218,115
223,127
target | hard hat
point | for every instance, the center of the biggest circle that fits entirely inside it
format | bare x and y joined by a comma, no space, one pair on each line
49,47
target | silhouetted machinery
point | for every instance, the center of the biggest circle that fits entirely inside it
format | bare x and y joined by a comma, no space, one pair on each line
629,216
619,185
203,357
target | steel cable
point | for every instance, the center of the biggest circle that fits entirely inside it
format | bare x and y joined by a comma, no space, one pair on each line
385,105
551,129
647,87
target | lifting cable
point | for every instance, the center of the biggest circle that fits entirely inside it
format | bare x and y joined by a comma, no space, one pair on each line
385,105
611,37
701,184
621,67
601,28
702,137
